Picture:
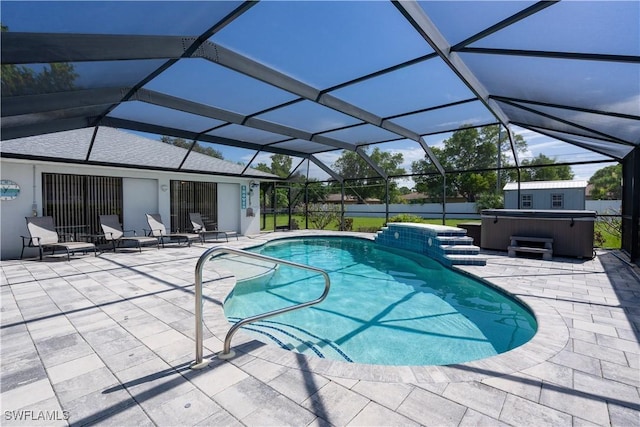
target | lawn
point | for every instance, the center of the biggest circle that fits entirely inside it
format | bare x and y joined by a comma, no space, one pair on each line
371,224
611,241
359,223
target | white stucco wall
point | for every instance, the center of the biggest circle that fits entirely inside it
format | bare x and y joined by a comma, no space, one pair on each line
142,191
140,196
13,212
231,214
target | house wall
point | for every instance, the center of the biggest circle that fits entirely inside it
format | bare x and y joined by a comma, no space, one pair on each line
135,207
143,192
574,198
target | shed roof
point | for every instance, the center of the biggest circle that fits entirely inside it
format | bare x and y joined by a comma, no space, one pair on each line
546,185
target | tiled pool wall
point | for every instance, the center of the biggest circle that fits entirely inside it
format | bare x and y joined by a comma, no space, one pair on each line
429,239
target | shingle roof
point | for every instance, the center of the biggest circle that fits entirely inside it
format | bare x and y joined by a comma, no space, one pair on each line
114,146
546,185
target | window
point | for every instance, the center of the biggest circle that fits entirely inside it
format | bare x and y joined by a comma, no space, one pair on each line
76,201
526,201
193,196
557,201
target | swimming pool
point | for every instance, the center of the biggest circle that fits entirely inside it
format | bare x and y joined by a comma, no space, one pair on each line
386,306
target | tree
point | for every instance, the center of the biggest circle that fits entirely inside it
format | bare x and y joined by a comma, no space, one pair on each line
179,142
317,191
489,201
428,180
281,166
607,183
23,80
463,156
550,173
322,214
262,167
404,190
363,180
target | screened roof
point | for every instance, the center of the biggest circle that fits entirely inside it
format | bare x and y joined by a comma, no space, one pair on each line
311,79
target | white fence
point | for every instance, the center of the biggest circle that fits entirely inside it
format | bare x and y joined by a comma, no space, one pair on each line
604,206
455,210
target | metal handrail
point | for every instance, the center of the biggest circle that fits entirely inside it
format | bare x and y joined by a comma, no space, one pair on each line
211,253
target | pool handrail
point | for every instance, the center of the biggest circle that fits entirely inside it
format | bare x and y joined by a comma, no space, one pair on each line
215,251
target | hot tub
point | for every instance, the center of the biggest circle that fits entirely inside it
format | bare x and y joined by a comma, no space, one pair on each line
572,231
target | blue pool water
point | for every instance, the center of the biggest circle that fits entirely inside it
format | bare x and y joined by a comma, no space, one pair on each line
386,306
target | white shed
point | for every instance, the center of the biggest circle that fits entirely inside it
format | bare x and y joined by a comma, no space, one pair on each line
560,195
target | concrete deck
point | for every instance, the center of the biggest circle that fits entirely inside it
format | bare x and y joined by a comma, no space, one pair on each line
108,340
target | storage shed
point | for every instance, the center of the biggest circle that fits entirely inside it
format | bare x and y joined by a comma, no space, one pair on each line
561,195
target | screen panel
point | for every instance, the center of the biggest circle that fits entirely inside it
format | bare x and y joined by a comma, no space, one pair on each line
306,40
310,117
458,20
303,146
585,27
362,134
161,116
115,17
406,90
447,119
244,133
626,129
211,84
30,79
595,85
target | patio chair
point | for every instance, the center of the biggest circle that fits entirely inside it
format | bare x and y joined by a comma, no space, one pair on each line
159,231
114,233
43,235
201,230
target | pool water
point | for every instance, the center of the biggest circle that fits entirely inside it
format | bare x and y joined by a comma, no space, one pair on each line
385,306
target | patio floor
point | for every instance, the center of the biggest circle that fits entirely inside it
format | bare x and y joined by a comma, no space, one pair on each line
108,340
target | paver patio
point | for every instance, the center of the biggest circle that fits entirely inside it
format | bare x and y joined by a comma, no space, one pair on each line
108,340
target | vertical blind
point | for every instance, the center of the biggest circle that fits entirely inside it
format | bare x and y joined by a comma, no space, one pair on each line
191,196
76,201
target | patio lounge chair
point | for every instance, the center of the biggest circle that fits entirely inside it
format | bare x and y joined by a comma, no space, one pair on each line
201,230
114,233
43,235
159,231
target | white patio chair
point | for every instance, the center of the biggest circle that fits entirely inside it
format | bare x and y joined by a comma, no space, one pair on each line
158,230
43,235
114,233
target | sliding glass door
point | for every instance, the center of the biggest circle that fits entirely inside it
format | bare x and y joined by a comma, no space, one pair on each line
192,196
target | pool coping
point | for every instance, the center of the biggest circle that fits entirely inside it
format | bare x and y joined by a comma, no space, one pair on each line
551,337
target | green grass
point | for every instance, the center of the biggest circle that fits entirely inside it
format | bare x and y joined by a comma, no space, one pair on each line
365,223
611,241
358,222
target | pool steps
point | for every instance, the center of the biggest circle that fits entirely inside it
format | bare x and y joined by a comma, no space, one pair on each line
448,245
296,339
